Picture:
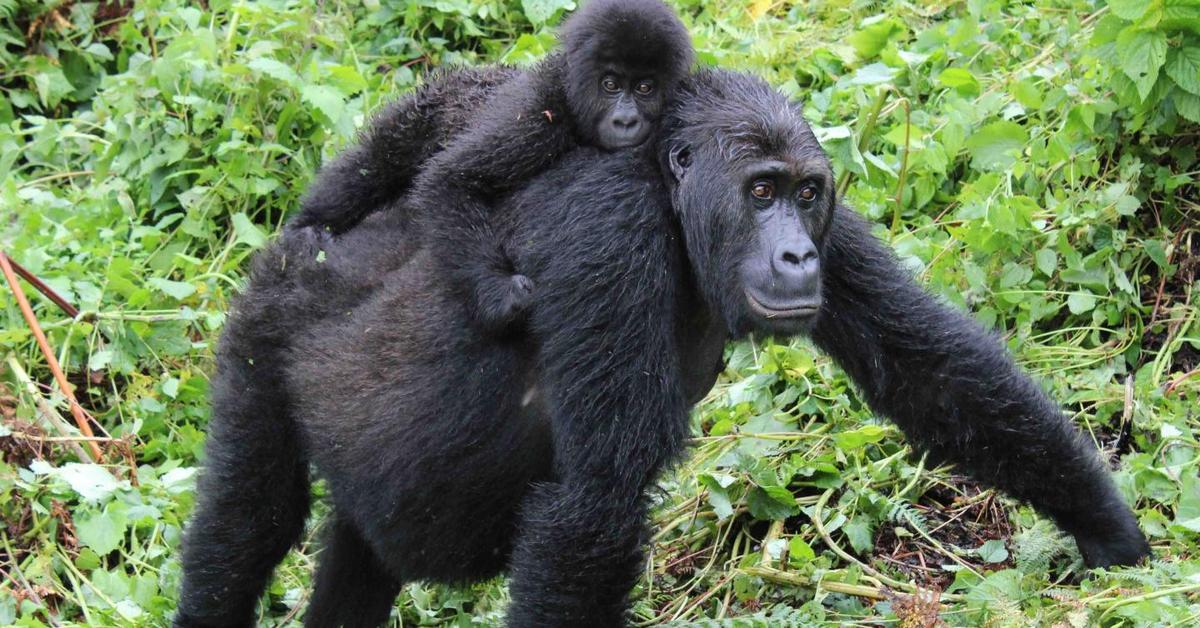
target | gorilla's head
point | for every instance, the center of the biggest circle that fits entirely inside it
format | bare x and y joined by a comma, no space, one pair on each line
623,60
755,195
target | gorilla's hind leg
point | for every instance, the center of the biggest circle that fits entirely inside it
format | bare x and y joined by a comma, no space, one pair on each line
353,589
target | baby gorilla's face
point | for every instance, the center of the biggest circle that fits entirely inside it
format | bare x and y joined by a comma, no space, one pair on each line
629,105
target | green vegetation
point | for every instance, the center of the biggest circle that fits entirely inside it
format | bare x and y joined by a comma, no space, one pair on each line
1033,161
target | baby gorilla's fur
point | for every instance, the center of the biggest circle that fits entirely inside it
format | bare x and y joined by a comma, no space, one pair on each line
620,61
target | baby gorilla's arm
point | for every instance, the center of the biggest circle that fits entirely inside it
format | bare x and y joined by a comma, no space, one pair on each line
524,130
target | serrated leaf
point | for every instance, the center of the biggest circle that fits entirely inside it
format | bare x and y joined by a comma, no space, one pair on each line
960,80
275,70
1047,261
996,146
246,232
540,11
855,439
346,79
1080,302
772,503
1188,105
180,290
1142,54
1183,66
102,531
326,99
799,551
1128,9
993,551
91,481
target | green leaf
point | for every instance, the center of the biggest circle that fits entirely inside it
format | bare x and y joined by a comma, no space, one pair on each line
1080,302
246,232
993,551
861,534
91,481
346,79
326,99
275,70
180,290
1183,66
800,552
856,439
874,37
1141,54
1128,9
1047,261
960,80
102,531
772,503
995,146
718,495
1157,252
1188,105
540,11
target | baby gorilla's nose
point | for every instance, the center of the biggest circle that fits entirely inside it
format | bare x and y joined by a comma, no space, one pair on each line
626,121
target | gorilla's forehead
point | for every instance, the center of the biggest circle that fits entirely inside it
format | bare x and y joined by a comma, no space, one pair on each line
744,118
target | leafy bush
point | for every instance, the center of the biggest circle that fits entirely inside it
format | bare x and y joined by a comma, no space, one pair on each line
1032,161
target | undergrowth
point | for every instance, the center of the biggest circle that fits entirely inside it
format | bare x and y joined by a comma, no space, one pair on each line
1034,162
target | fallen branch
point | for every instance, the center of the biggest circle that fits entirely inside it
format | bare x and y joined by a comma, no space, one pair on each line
81,419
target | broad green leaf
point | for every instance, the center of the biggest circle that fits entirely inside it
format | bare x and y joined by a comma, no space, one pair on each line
1080,302
1157,252
275,70
772,503
1183,66
247,232
996,146
1188,105
873,37
346,79
92,482
718,495
1047,261
855,439
1128,9
993,551
102,531
326,99
800,552
960,80
1142,54
180,290
540,11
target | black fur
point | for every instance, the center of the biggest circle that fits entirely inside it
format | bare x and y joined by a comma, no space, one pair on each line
452,455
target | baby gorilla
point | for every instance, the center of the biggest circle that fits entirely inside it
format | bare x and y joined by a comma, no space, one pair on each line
620,61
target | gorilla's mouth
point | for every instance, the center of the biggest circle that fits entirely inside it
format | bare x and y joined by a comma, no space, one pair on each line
801,308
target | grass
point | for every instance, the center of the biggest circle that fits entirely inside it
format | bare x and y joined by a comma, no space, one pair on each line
1035,162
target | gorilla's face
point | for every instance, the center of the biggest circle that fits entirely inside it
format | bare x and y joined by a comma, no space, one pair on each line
754,214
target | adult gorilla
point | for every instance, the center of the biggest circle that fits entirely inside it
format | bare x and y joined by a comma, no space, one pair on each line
451,456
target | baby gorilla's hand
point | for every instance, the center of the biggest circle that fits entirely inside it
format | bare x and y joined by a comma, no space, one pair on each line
502,301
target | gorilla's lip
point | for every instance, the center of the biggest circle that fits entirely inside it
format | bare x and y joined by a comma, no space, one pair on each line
795,309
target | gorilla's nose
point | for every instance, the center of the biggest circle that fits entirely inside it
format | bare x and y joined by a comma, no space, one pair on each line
625,121
796,264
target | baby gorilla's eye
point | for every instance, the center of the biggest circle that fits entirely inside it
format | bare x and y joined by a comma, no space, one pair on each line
808,193
763,190
610,84
645,88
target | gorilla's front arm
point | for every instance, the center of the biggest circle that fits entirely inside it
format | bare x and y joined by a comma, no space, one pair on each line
955,392
608,365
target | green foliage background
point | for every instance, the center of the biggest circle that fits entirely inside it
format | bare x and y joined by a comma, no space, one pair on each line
1035,162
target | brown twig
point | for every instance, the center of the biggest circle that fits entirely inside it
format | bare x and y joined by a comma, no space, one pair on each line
43,344
1170,389
41,286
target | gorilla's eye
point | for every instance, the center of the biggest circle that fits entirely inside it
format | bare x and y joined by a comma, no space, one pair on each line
610,85
763,190
645,88
808,193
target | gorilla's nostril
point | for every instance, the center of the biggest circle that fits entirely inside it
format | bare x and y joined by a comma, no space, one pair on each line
791,258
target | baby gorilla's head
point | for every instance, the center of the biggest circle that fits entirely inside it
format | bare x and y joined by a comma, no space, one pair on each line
623,59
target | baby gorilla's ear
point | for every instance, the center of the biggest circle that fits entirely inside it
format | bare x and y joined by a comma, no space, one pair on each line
679,157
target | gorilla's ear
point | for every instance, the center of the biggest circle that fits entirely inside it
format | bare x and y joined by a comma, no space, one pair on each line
679,157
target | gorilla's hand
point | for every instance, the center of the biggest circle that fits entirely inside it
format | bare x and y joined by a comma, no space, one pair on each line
1118,543
502,301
